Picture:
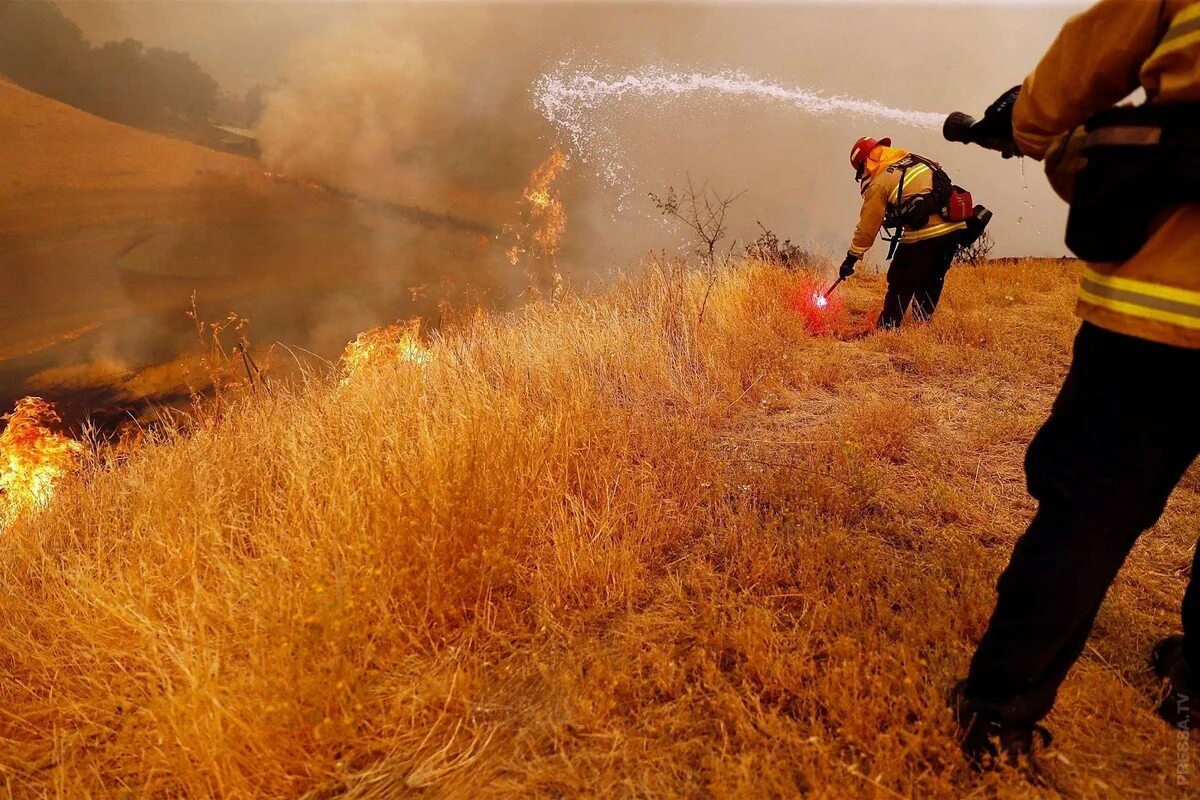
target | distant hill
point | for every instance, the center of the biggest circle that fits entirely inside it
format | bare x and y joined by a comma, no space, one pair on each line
108,230
61,167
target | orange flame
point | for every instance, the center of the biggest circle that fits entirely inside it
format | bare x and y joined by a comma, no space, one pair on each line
32,458
394,343
545,217
546,213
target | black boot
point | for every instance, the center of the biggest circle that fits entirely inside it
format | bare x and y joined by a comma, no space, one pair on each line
986,741
1180,705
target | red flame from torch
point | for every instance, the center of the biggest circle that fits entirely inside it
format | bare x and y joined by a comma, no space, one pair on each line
822,316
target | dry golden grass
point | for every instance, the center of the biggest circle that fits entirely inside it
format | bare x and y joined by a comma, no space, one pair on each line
595,548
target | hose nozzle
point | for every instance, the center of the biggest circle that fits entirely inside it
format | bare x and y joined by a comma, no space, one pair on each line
994,131
957,128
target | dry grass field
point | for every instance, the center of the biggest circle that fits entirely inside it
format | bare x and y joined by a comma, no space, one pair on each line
659,542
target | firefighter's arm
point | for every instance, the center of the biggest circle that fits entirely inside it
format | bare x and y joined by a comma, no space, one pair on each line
1092,65
870,219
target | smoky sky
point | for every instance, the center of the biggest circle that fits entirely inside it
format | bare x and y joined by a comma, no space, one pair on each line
467,131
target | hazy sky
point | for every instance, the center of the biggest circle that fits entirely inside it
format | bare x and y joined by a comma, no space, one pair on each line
923,56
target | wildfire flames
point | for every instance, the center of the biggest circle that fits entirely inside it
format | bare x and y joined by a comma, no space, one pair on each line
545,208
32,458
400,342
545,218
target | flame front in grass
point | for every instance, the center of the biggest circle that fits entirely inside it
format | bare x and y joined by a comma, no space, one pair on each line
546,213
399,343
545,217
32,458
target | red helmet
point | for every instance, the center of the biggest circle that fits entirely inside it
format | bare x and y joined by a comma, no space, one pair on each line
862,151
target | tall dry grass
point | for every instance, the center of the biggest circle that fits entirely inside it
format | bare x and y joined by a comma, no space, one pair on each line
607,547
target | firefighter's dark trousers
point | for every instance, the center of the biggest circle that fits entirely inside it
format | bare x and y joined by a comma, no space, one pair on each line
915,277
1124,429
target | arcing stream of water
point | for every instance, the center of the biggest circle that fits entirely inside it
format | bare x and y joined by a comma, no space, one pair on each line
569,100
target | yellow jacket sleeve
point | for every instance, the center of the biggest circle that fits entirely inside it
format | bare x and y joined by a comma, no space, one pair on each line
870,219
1092,65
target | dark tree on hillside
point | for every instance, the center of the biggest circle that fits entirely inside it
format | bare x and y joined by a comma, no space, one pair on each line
118,88
42,50
45,52
181,87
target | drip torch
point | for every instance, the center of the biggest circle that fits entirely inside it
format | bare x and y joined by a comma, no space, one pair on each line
829,291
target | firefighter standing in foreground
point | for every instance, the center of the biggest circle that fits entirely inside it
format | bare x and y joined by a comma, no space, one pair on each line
1126,424
928,219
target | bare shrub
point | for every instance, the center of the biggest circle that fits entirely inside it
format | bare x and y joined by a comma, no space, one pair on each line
769,248
702,212
977,252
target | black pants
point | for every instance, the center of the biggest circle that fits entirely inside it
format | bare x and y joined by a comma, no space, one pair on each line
916,276
1124,429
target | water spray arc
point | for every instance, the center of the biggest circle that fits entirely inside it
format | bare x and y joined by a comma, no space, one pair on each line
568,99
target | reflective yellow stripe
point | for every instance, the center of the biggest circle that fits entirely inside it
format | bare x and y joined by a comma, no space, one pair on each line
1138,310
1185,15
1173,293
1184,31
1143,299
1176,44
932,231
912,172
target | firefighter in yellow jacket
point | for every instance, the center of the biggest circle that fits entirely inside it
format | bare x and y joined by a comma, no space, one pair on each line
908,194
1126,424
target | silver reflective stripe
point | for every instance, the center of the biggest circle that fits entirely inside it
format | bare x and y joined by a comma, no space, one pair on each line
1137,298
1124,135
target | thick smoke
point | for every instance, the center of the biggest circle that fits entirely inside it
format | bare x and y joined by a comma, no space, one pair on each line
364,111
423,120
408,112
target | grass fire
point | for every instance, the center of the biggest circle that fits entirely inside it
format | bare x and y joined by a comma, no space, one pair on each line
33,458
390,344
537,237
806,461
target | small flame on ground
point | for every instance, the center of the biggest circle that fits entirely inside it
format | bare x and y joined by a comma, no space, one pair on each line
394,343
305,182
820,300
32,458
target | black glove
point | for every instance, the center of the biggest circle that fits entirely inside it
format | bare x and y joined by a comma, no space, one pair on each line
995,130
847,268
